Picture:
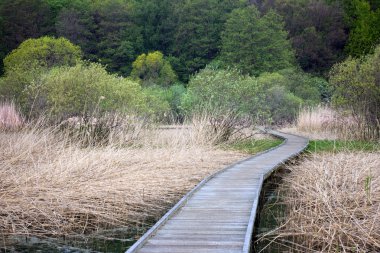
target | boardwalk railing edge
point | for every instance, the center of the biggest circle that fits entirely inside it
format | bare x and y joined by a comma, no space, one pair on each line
249,233
302,149
151,232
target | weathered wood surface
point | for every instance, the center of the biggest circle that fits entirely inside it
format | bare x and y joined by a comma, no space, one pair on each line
218,215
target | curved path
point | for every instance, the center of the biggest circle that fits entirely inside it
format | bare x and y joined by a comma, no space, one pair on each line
218,215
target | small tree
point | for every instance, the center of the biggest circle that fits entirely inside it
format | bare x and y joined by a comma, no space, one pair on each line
26,64
45,52
357,87
153,68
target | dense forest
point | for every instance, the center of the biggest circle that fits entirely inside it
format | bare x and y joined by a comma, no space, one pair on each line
183,54
190,33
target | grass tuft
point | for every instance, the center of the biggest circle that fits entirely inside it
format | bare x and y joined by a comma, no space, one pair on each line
318,146
10,118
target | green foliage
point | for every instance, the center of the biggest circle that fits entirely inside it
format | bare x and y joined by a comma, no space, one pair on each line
156,102
256,44
317,30
174,95
300,84
305,86
153,68
365,33
225,91
115,32
105,30
270,98
86,89
196,38
357,87
45,52
76,23
283,105
30,60
57,5
158,22
119,39
13,87
21,20
317,146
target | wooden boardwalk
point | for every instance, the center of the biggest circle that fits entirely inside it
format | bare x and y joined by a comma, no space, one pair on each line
218,215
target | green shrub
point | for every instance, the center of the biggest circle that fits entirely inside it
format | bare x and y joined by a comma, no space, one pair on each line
283,104
153,69
26,64
13,87
224,91
174,96
356,85
155,102
45,52
302,85
86,89
271,98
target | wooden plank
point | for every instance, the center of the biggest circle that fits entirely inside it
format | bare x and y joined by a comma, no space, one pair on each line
188,250
218,216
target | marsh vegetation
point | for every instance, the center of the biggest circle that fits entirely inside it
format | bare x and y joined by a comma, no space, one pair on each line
111,110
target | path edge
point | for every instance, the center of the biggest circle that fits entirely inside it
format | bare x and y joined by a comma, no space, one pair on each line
151,232
251,224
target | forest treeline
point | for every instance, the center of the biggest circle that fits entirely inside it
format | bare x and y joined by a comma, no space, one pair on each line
190,33
257,58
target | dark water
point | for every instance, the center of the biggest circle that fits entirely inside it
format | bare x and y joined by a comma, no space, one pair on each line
270,214
116,240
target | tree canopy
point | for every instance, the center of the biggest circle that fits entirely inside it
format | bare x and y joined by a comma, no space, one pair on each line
153,68
254,43
45,52
189,32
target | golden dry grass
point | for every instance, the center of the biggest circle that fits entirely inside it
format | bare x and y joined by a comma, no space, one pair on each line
324,123
51,186
333,204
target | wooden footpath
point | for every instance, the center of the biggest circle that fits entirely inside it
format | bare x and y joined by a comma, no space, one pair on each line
218,215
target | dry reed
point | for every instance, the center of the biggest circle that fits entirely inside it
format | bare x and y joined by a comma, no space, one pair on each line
323,122
52,186
10,118
333,204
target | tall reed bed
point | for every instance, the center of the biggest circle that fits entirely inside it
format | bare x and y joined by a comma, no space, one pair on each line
333,204
53,185
327,123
